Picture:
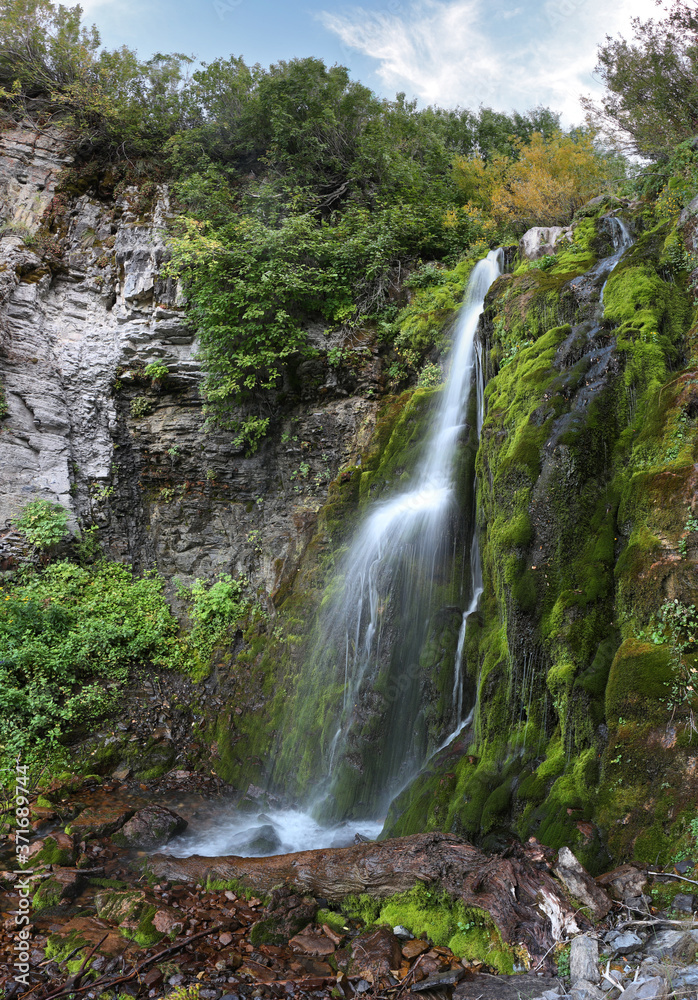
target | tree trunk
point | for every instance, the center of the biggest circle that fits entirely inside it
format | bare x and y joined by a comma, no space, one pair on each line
526,904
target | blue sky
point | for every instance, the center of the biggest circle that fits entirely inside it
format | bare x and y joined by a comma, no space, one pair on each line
447,52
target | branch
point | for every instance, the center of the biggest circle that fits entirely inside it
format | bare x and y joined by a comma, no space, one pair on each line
672,875
69,986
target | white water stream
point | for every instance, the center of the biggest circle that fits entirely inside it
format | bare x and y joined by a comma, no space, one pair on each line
394,564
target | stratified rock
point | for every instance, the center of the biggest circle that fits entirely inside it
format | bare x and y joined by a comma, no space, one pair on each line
623,942
584,990
581,884
647,989
150,827
584,959
679,946
374,954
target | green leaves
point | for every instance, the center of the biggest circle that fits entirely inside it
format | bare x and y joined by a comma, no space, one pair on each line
63,634
43,524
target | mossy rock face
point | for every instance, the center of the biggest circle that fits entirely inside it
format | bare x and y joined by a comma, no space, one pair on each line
587,450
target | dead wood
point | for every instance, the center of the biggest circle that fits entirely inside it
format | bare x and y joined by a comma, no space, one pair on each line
526,904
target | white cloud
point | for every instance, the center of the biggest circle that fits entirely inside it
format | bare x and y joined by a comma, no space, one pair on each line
470,52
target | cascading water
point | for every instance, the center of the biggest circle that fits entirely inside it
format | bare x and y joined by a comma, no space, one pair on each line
407,565
394,582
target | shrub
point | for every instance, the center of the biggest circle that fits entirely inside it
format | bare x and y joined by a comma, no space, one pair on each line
43,524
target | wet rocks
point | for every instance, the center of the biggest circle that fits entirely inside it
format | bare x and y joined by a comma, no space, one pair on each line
149,828
374,954
309,942
584,959
99,821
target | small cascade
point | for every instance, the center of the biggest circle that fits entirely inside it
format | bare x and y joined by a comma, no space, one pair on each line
622,239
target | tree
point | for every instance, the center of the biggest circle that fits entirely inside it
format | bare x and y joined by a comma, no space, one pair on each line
543,185
43,47
652,81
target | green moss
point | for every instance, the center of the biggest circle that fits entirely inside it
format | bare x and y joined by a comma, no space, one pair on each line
638,680
362,907
468,932
59,946
145,933
335,921
47,895
52,854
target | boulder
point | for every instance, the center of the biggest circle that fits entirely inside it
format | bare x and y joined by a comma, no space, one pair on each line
584,959
679,946
99,821
542,240
646,989
150,827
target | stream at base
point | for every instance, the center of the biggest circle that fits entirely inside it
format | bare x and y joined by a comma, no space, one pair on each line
274,831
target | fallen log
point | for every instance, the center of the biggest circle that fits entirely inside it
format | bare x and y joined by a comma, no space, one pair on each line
526,904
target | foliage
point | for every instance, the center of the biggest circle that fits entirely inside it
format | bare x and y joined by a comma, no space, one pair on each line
216,610
140,407
253,287
67,633
156,370
430,375
117,104
43,524
652,100
544,184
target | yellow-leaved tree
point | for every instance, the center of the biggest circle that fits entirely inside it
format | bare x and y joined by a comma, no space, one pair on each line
544,185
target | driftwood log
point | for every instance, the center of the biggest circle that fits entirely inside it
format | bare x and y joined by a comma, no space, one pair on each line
527,905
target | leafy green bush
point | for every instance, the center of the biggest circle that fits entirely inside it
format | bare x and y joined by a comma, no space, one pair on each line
43,524
217,610
65,633
156,370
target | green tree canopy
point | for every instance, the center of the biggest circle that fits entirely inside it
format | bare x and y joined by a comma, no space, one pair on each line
652,99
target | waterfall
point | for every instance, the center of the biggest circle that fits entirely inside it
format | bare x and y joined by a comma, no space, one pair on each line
405,569
378,620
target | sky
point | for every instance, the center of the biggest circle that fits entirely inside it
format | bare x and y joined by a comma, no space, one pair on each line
505,55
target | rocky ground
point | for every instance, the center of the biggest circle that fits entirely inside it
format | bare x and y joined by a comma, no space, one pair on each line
101,925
